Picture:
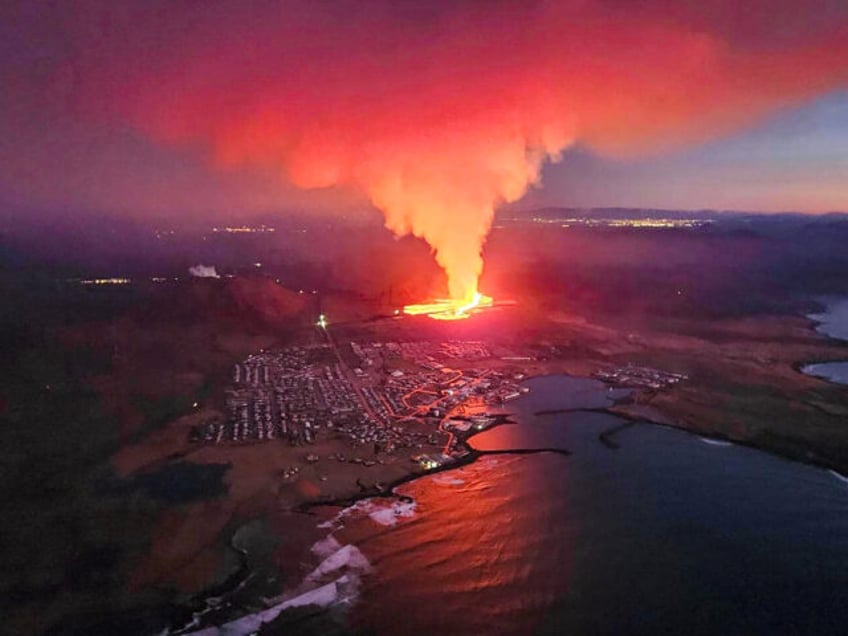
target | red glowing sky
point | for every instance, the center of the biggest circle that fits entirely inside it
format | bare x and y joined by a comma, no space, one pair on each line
139,105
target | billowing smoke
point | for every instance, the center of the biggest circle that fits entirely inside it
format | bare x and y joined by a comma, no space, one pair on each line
203,271
440,111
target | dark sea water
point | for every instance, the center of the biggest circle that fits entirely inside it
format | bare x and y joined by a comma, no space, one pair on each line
665,534
834,323
832,371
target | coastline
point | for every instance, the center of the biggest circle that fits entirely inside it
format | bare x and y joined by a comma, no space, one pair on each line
618,409
816,323
696,408
469,456
820,319
606,437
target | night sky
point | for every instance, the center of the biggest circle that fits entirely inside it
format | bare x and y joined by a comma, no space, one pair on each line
194,107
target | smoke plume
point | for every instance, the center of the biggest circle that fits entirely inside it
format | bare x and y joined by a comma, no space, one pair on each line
203,271
440,111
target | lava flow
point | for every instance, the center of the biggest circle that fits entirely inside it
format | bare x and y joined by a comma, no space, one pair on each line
450,309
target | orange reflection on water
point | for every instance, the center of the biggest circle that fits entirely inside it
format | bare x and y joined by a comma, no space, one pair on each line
477,557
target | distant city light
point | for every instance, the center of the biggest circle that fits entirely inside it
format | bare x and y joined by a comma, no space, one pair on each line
322,321
633,223
105,281
245,229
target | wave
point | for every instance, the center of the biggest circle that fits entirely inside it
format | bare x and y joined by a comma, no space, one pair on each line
715,442
347,564
390,515
839,476
326,546
347,557
385,515
324,596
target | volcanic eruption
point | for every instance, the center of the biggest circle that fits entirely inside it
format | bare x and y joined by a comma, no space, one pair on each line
448,308
438,112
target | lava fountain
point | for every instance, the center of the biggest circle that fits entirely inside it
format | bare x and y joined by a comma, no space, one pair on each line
438,116
450,309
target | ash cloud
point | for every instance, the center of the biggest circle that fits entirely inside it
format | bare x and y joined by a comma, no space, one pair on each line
438,112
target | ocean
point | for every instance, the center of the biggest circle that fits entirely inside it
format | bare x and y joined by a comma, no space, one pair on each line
660,532
833,322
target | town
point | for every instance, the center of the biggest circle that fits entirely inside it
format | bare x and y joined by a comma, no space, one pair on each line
640,377
372,394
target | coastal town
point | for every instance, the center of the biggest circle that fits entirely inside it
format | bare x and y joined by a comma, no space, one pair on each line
633,376
373,394
382,399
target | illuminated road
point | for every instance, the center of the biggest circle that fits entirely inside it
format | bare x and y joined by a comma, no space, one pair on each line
354,381
426,407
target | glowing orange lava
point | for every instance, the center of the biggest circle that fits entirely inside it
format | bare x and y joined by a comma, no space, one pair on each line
448,308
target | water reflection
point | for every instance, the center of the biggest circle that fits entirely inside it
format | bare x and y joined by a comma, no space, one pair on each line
475,558
663,534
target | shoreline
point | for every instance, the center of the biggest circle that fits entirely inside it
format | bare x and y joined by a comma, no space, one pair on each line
816,324
471,455
823,378
826,302
200,601
807,458
677,410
